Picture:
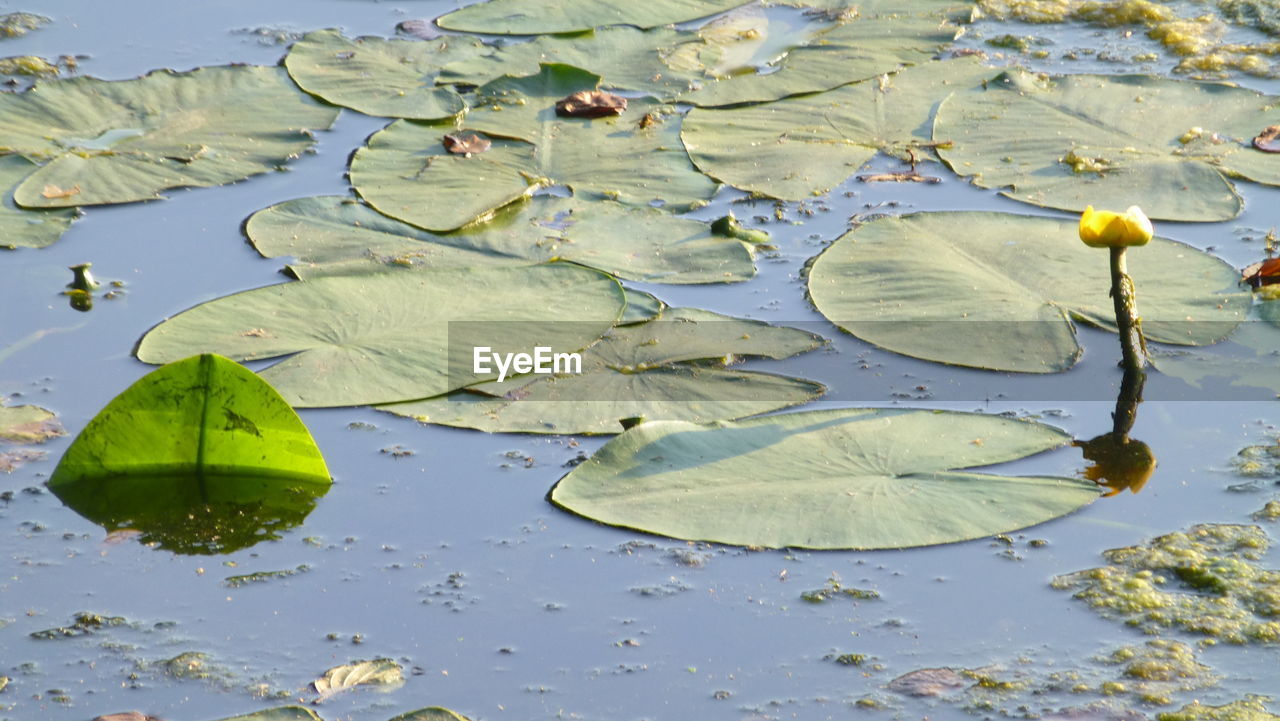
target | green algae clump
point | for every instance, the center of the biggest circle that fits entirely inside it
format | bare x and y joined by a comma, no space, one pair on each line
1205,581
1247,709
13,25
27,65
1269,512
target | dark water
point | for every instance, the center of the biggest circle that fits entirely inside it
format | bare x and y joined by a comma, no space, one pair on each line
451,561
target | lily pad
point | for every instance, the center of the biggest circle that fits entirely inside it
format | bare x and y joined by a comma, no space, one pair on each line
23,426
21,228
405,172
641,307
1250,358
354,340
843,479
539,17
796,148
1111,141
671,368
280,713
876,38
626,58
123,141
200,455
378,672
377,76
333,235
431,713
999,291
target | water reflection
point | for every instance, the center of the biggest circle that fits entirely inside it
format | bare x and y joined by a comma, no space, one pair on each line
1118,461
194,515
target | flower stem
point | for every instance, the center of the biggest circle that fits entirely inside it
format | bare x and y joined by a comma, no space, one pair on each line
1133,346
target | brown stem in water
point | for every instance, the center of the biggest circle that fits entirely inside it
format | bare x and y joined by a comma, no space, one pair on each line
1133,346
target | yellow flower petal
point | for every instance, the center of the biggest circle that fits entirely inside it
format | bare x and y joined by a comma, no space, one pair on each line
1109,229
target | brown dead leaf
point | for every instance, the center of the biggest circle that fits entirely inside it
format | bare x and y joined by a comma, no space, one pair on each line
929,682
1265,273
466,144
1268,141
649,120
591,104
53,191
901,176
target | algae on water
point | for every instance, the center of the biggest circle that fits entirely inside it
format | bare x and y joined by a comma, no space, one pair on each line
1206,580
13,25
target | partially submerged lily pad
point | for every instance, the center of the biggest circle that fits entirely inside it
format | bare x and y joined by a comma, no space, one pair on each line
872,39
22,426
672,368
405,172
1111,141
796,148
354,340
201,456
331,235
538,17
851,478
393,78
280,713
378,672
1207,581
999,291
23,228
128,140
431,713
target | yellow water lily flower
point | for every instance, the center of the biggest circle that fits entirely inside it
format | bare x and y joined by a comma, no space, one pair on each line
1108,229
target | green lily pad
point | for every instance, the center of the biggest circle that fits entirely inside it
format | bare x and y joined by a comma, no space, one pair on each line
999,291
21,228
123,141
377,76
333,235
355,340
1111,141
878,38
539,17
201,456
672,368
405,172
841,479
796,148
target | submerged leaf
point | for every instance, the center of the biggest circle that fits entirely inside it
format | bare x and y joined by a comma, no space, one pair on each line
538,17
1110,141
355,340
405,173
999,291
332,235
23,228
392,78
796,148
851,478
672,368
280,713
23,426
201,455
128,140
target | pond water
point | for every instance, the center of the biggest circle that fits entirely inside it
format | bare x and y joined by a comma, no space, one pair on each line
449,559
